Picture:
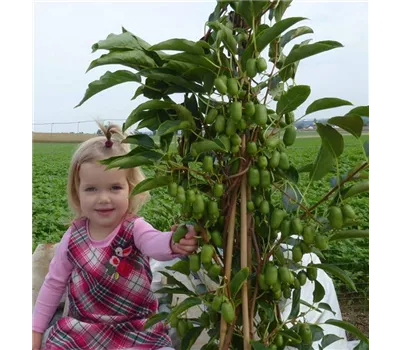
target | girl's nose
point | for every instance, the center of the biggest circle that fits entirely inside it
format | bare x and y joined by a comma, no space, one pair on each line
104,198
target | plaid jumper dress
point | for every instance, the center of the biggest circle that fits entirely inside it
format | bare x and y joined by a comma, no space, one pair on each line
109,296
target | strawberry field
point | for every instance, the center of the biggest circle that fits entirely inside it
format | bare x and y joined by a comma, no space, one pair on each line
51,217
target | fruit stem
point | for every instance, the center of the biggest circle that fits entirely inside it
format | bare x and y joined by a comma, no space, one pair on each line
272,71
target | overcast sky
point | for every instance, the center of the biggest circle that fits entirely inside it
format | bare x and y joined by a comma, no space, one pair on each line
65,32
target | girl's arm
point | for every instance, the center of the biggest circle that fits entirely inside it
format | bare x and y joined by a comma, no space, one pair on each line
54,286
151,242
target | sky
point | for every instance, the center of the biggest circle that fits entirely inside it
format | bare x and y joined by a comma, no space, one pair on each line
65,32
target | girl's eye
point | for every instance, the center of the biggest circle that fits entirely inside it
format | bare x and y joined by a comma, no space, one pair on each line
90,189
116,188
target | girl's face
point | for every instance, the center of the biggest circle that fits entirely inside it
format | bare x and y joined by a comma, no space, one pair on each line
103,195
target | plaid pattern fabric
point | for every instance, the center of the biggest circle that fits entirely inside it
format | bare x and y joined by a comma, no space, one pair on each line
109,296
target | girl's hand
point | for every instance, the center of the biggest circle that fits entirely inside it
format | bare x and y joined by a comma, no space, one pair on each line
36,340
187,244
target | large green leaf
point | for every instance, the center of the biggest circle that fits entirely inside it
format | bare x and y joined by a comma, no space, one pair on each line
293,98
238,281
325,103
169,76
108,80
351,123
257,345
331,139
124,41
137,114
362,111
179,45
310,50
140,139
266,36
190,337
294,311
150,184
207,146
171,126
326,306
319,292
171,280
294,33
181,266
202,61
155,319
349,328
349,234
130,162
322,165
280,9
136,59
143,44
251,9
174,290
139,91
338,272
183,306
329,339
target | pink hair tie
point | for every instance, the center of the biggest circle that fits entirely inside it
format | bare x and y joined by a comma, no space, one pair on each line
109,143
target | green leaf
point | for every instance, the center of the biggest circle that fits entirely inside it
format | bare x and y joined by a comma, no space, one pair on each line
130,162
325,103
349,234
317,332
362,111
329,339
150,184
158,317
362,346
137,114
135,59
319,292
207,146
202,61
268,308
251,9
280,9
171,280
294,33
322,165
349,328
326,306
238,281
338,272
183,306
266,36
310,50
169,76
124,41
331,139
108,80
351,123
357,188
295,303
257,345
289,334
139,91
293,98
179,45
181,266
190,337
171,126
140,139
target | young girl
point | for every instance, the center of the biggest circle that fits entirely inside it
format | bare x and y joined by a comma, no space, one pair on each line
103,259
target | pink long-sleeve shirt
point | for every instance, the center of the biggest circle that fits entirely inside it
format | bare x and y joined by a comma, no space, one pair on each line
151,242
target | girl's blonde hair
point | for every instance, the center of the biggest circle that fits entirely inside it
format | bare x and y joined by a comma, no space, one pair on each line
99,148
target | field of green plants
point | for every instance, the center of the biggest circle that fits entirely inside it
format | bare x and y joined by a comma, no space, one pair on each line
50,217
